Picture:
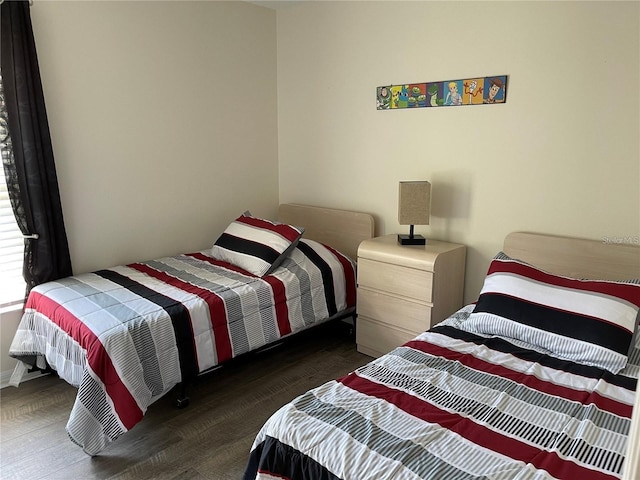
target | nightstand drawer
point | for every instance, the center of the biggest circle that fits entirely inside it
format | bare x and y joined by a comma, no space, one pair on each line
408,282
376,339
411,316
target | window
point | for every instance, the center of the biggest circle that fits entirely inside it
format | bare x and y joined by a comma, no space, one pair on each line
11,250
12,285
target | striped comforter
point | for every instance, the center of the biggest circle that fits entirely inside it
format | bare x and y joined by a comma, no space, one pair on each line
453,405
125,336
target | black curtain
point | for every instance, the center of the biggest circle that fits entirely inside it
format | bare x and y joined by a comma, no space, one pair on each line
29,166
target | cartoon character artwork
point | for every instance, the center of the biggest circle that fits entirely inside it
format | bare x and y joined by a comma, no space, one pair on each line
383,101
473,89
417,95
399,96
470,91
435,94
497,91
403,97
395,96
453,96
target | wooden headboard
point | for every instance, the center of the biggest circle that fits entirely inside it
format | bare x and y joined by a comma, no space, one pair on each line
340,229
575,257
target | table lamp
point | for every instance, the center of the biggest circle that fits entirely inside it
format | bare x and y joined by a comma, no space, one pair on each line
414,201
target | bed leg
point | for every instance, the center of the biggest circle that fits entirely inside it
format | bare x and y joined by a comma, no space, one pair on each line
183,399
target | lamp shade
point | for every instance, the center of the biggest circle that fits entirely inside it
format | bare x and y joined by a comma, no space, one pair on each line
414,203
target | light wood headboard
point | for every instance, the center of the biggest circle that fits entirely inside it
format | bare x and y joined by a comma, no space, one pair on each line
592,259
575,257
340,229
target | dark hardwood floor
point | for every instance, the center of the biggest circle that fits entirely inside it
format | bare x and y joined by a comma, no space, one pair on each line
210,439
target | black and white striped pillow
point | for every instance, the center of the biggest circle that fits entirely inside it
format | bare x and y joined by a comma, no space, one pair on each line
586,321
256,245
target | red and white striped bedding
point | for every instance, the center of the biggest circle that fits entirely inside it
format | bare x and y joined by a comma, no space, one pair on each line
126,335
451,404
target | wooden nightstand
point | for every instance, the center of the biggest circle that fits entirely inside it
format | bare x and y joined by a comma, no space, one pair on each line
405,290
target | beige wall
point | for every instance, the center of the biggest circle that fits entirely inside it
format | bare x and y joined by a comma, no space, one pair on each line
9,320
561,156
163,119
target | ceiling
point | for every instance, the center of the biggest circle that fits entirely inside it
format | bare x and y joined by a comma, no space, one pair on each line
276,4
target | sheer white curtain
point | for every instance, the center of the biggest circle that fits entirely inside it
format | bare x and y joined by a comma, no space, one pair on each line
12,285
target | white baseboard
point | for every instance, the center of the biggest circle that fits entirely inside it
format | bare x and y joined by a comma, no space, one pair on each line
6,376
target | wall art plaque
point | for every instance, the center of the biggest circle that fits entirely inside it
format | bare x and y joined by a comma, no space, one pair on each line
446,93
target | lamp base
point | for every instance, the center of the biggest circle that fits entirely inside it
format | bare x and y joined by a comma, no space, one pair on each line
412,240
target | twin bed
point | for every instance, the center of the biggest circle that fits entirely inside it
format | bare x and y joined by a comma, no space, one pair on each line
126,336
535,380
